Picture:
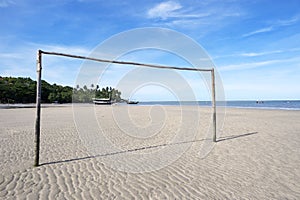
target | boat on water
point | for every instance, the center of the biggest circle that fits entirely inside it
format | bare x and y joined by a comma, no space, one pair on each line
109,101
102,101
132,102
259,102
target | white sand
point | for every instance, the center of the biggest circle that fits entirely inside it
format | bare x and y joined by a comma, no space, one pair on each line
257,157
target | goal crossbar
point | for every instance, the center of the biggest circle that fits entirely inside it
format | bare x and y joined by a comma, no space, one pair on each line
125,62
39,88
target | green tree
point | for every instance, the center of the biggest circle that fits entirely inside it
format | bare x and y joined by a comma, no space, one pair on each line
23,90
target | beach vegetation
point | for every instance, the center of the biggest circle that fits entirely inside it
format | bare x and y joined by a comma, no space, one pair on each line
23,90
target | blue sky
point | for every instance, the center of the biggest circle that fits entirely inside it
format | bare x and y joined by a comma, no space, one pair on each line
255,45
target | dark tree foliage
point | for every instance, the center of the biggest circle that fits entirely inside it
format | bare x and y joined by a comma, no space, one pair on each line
17,90
23,90
86,95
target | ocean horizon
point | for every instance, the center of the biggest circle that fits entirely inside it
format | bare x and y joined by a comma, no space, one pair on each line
268,104
251,104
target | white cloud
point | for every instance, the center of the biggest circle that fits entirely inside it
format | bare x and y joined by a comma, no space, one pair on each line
256,54
252,65
174,11
6,3
275,25
288,22
22,62
62,48
206,16
10,55
164,10
262,30
244,66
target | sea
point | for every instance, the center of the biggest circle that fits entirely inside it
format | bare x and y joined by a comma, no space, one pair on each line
278,104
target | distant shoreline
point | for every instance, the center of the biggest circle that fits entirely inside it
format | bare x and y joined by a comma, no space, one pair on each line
31,105
266,105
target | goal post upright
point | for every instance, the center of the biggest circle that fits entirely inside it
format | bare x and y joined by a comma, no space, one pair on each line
39,90
214,105
38,107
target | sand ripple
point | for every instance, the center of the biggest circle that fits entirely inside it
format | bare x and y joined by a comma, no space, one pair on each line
257,158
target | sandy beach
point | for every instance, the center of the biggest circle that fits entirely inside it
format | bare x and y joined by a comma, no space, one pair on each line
257,155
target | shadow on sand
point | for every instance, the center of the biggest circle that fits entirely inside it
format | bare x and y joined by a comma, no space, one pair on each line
235,136
147,147
120,152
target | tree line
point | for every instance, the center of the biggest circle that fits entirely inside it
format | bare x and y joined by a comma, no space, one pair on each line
85,94
23,90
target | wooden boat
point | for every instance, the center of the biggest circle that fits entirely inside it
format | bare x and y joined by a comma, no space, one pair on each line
102,101
132,102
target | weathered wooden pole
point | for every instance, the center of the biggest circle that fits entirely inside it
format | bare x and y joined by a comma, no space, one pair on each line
39,90
125,62
38,107
214,106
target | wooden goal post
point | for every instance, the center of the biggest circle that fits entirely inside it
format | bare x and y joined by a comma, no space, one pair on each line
39,89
